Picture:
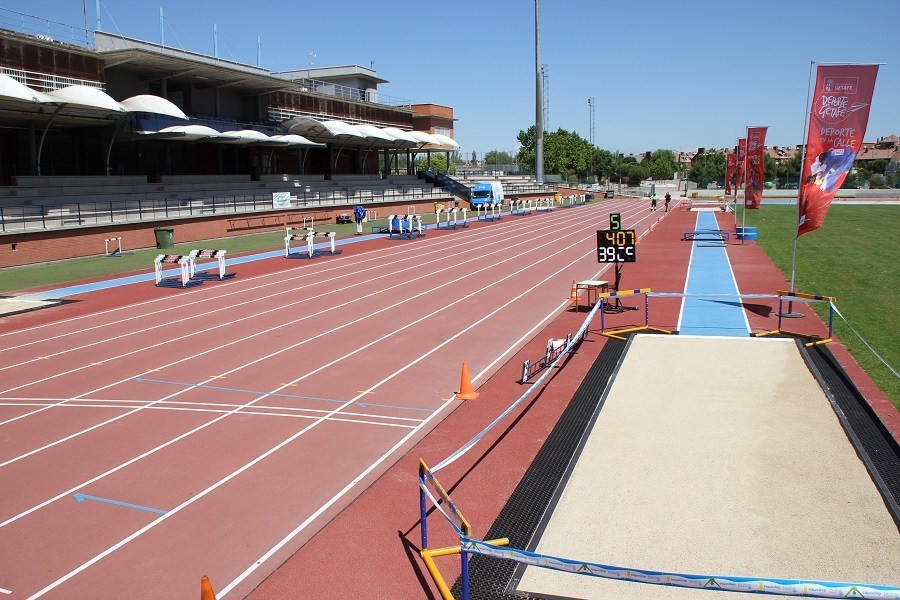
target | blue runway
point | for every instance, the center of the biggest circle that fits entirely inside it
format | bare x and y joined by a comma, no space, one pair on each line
709,272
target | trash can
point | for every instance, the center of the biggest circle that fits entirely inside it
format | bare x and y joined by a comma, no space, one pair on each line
165,237
609,194
438,206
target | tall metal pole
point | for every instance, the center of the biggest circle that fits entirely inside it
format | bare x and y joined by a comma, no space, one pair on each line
539,98
806,109
97,8
162,30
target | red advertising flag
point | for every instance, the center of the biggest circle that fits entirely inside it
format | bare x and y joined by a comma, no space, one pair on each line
741,163
756,149
837,124
730,167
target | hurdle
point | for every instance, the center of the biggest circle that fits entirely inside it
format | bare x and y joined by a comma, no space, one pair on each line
808,298
544,204
554,349
448,224
488,211
171,259
616,333
571,200
520,207
705,235
431,488
405,226
309,237
219,255
117,249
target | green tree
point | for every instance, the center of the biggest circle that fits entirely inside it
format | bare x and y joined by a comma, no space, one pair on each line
662,164
498,157
565,153
709,166
438,163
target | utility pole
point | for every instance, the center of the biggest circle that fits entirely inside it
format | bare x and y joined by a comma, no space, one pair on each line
591,110
539,113
545,81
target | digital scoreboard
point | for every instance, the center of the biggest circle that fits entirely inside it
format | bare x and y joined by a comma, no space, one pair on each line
616,246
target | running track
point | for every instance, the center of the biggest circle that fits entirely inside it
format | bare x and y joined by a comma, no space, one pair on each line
235,419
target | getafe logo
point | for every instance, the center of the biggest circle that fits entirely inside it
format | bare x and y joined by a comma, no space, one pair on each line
842,85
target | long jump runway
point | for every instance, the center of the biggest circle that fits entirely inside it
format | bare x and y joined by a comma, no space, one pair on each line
718,467
215,430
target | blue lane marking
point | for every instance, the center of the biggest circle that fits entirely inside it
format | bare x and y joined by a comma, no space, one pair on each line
273,394
83,497
710,273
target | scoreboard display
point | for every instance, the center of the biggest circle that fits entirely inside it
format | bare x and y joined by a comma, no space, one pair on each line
616,246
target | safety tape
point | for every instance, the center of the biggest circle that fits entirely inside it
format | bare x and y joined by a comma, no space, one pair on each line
468,445
871,349
787,587
440,509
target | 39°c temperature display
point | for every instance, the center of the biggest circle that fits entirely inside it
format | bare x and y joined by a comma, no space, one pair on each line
616,246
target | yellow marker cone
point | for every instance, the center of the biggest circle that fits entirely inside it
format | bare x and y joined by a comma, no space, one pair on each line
206,590
574,295
465,385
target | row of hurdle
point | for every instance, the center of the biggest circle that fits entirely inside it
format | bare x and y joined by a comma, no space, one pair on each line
308,235
188,264
448,218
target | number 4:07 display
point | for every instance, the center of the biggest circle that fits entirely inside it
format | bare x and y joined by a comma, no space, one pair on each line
616,246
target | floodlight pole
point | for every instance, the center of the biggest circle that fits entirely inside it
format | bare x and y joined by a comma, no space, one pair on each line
539,99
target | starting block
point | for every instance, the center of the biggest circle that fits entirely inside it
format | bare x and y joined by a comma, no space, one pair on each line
455,223
705,235
219,255
488,211
183,262
405,226
520,207
309,236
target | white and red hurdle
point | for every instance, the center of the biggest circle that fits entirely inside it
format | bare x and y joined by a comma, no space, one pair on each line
184,262
219,255
309,236
450,212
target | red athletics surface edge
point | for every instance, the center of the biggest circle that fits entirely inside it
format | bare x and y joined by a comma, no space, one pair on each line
370,550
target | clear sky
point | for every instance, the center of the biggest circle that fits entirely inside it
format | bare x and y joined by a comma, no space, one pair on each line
676,75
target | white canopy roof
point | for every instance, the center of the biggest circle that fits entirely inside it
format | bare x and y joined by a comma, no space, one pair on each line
375,135
187,133
322,130
84,96
247,136
292,139
424,138
10,89
152,104
446,142
402,137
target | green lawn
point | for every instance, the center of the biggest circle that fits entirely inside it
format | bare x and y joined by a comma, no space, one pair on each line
855,257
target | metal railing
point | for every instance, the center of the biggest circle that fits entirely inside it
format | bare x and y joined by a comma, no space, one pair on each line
18,218
45,82
45,29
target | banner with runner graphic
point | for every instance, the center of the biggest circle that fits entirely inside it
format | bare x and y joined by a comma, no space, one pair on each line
756,149
730,164
837,124
741,164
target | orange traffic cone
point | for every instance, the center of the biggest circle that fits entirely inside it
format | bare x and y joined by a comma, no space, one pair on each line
206,591
465,385
574,295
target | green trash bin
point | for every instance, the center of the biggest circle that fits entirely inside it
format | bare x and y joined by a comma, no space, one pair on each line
165,237
609,194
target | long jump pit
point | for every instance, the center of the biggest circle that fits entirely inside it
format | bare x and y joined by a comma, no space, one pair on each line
720,457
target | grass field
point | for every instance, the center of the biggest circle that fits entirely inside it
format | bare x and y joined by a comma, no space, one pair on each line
855,257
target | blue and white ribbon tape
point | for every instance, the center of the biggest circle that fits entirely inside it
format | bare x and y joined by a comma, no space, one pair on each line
783,587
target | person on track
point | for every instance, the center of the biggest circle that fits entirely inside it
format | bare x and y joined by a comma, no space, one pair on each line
668,199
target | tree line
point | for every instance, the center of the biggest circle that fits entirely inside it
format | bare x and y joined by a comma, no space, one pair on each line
568,154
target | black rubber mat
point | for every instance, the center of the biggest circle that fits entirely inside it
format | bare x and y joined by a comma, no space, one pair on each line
526,511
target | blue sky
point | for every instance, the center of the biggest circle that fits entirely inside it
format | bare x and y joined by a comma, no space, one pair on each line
676,75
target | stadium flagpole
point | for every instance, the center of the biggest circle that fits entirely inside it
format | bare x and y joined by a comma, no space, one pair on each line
538,101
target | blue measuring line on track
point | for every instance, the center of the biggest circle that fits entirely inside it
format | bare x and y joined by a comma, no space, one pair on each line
276,394
710,273
82,497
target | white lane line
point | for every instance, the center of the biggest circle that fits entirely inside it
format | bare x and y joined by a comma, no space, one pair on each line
388,335
466,250
4,591
511,257
237,472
